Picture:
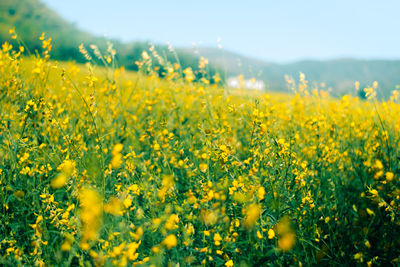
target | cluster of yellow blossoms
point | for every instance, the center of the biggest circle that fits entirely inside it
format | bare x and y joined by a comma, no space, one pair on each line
100,166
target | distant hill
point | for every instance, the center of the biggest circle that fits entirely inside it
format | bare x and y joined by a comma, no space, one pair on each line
32,17
338,74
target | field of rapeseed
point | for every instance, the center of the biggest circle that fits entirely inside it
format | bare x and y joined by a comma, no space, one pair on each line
99,166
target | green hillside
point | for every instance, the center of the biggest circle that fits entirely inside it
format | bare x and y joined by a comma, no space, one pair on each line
31,17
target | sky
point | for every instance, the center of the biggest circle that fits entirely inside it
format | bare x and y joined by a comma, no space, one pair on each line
279,30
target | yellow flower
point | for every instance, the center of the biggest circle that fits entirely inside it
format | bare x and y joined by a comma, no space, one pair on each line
374,192
189,76
287,236
68,241
59,181
204,250
357,85
66,246
114,207
208,217
90,214
203,167
389,176
155,249
359,257
253,212
370,212
287,241
172,221
116,160
229,263
271,234
127,202
145,55
134,189
261,193
67,167
259,235
217,239
170,241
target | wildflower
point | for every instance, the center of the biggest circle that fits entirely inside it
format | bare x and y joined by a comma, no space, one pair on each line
370,93
389,176
90,215
67,169
271,233
259,235
287,241
378,165
395,95
229,263
170,241
59,181
374,192
287,236
131,250
252,214
208,217
203,167
189,76
114,207
261,193
156,147
6,47
357,85
171,222
167,184
134,188
68,241
203,62
116,160
37,227
370,212
145,55
155,249
217,239
359,257
127,202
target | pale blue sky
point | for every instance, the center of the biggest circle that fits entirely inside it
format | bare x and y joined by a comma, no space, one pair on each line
279,30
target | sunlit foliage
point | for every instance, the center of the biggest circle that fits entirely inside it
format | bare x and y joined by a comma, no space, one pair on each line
99,166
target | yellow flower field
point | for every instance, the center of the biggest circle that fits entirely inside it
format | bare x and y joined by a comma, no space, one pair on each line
101,166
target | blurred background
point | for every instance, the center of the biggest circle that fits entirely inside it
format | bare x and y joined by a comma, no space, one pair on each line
335,43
